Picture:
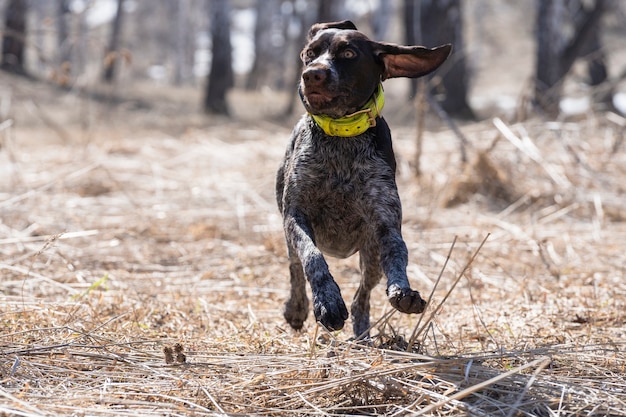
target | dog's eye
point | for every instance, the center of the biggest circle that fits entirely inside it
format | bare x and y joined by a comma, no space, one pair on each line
310,54
348,54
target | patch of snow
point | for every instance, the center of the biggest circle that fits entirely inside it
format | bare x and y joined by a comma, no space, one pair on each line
619,101
575,105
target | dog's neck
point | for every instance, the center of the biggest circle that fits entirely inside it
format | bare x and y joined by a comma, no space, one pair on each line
356,123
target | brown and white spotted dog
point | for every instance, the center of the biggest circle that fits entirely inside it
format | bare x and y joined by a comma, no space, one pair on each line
336,187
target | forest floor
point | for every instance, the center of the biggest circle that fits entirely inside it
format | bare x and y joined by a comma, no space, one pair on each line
143,269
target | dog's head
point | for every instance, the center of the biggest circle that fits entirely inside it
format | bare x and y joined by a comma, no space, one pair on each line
342,67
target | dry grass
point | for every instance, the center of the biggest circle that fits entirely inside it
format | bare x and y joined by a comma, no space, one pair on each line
118,247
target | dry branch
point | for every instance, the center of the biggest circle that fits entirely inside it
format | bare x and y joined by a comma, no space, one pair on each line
527,147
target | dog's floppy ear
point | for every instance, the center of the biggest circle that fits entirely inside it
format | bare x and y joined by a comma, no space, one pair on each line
344,24
409,61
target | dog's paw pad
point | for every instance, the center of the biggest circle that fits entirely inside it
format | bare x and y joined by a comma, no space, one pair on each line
407,301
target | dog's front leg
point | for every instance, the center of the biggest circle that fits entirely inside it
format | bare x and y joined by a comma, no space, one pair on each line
328,306
394,260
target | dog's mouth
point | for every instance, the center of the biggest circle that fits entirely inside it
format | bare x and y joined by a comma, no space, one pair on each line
317,101
332,101
317,98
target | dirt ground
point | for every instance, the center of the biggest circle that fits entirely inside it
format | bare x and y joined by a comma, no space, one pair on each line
143,269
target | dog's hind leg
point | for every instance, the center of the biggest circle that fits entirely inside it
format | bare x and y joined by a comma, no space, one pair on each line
371,273
297,307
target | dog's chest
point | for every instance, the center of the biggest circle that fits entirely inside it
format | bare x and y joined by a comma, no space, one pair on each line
340,170
337,183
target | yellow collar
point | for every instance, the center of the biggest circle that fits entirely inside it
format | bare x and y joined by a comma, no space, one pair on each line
356,123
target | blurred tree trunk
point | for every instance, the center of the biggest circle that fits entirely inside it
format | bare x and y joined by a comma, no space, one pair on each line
303,19
596,64
441,21
593,52
285,52
112,54
551,45
555,53
14,37
38,15
63,8
410,21
264,49
380,19
220,78
62,70
181,43
79,55
330,10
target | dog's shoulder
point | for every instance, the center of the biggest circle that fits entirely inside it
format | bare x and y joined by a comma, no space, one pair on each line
382,139
301,132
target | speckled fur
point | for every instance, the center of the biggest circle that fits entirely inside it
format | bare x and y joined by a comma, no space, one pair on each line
338,196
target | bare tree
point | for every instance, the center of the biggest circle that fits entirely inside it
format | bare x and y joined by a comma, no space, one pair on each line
14,37
591,50
381,18
330,10
555,52
412,35
264,50
302,20
182,43
62,70
220,78
112,54
441,22
63,9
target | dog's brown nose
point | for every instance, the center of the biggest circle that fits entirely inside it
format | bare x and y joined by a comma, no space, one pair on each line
314,76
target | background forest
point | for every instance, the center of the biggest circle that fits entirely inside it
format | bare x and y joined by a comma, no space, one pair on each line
536,48
142,259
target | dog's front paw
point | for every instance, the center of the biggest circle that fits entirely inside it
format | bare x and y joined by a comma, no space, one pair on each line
329,308
406,300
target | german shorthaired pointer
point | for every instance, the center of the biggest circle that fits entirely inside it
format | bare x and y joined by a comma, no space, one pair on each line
336,187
